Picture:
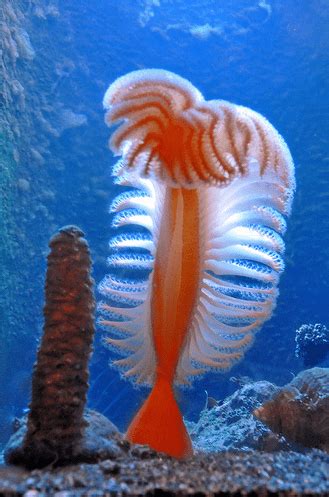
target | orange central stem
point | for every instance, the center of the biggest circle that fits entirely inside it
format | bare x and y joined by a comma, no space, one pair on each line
159,422
176,277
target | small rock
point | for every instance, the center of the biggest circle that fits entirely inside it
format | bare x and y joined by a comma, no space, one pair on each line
31,493
109,467
23,184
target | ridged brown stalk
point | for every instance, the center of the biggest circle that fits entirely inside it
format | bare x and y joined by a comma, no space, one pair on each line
55,423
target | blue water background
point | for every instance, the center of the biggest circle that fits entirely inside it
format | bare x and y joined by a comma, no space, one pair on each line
271,56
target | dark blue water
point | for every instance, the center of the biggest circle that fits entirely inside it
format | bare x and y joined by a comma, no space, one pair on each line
271,56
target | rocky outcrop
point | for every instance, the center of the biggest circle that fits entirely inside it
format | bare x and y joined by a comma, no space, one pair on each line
300,409
230,425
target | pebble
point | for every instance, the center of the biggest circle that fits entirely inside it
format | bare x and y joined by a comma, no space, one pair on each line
109,466
32,493
23,184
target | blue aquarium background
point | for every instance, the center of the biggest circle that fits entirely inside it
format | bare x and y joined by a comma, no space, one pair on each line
58,59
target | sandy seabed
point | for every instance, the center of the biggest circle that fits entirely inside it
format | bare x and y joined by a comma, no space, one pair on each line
142,472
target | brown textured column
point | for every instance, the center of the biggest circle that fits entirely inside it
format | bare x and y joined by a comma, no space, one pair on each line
55,423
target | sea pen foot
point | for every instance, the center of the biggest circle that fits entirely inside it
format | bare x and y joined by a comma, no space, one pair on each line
160,425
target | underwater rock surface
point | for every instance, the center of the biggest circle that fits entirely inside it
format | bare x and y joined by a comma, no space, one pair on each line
140,471
232,426
300,410
100,439
119,468
262,416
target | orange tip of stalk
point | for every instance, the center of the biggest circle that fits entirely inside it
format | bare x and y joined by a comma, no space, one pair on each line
160,425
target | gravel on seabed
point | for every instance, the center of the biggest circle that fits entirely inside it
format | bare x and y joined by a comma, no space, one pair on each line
142,472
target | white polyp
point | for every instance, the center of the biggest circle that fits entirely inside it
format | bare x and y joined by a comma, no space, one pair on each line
138,219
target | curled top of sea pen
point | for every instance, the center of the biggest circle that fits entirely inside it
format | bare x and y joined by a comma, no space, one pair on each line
168,130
